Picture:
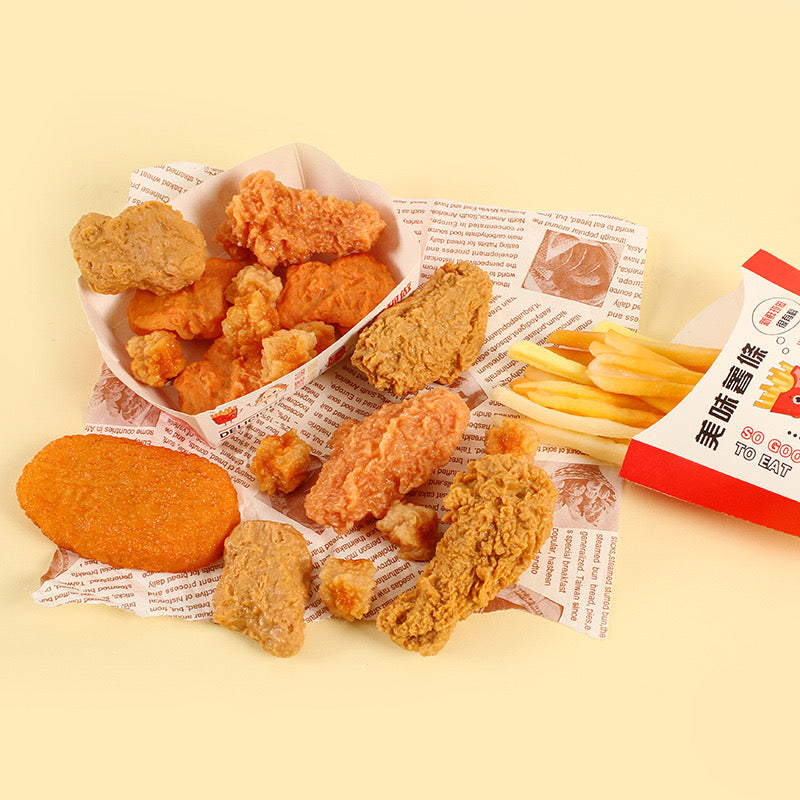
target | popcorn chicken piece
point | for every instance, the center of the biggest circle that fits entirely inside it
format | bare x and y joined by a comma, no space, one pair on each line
412,528
265,585
511,435
156,358
346,586
147,246
326,334
281,462
254,278
195,312
249,320
285,351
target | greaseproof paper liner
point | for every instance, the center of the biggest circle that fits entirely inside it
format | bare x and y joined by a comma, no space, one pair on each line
733,444
549,270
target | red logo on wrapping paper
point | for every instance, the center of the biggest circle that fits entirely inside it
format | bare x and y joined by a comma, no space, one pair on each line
781,394
226,415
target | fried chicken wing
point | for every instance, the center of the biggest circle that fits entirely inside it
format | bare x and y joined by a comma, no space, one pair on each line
195,312
380,459
500,512
272,224
147,246
432,336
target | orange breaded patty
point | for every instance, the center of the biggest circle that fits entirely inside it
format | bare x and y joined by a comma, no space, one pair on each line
129,504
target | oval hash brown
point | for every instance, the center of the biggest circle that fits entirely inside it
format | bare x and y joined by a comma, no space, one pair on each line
128,504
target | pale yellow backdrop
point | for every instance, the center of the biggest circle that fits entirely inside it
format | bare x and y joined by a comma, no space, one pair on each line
681,116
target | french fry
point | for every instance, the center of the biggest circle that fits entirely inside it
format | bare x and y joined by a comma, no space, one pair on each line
615,380
577,340
581,356
560,419
572,389
637,366
544,359
611,451
590,407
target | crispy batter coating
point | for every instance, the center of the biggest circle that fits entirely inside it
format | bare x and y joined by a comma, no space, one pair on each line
341,293
346,586
512,435
432,336
325,334
281,463
156,358
500,512
285,351
264,586
412,528
249,320
254,278
377,461
147,246
273,224
222,375
128,504
195,312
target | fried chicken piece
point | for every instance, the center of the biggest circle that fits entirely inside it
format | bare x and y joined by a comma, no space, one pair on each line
281,462
274,224
433,335
222,375
250,320
325,334
129,504
284,351
413,529
254,278
265,585
147,246
500,512
346,586
341,293
156,358
194,312
512,435
377,461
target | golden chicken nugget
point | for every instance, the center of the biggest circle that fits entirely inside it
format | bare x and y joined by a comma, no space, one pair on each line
128,504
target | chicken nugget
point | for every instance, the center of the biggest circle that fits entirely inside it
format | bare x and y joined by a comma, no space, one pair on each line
341,293
273,224
500,512
147,246
346,586
194,312
281,462
128,504
377,461
512,435
265,585
156,358
285,351
412,528
432,336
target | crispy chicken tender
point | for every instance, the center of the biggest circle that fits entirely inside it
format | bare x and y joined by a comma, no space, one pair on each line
346,586
341,293
195,312
284,351
265,585
281,463
274,224
147,246
512,435
412,528
222,375
156,358
500,512
432,336
377,461
129,504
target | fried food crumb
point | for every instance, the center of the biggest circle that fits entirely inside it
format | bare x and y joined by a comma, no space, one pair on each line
346,586
273,224
511,435
264,585
147,246
281,462
412,528
156,358
284,351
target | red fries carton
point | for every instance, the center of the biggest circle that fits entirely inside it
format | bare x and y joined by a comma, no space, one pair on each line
733,444
299,166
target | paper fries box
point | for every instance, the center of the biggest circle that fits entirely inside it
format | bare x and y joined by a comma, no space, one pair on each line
298,166
733,444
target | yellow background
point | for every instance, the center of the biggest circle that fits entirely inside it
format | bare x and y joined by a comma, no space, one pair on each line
681,116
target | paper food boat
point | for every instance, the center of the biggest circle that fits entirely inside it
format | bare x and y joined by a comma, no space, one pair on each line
295,165
733,444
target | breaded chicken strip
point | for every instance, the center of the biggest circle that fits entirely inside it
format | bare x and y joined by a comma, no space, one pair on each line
380,459
276,225
500,512
432,336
